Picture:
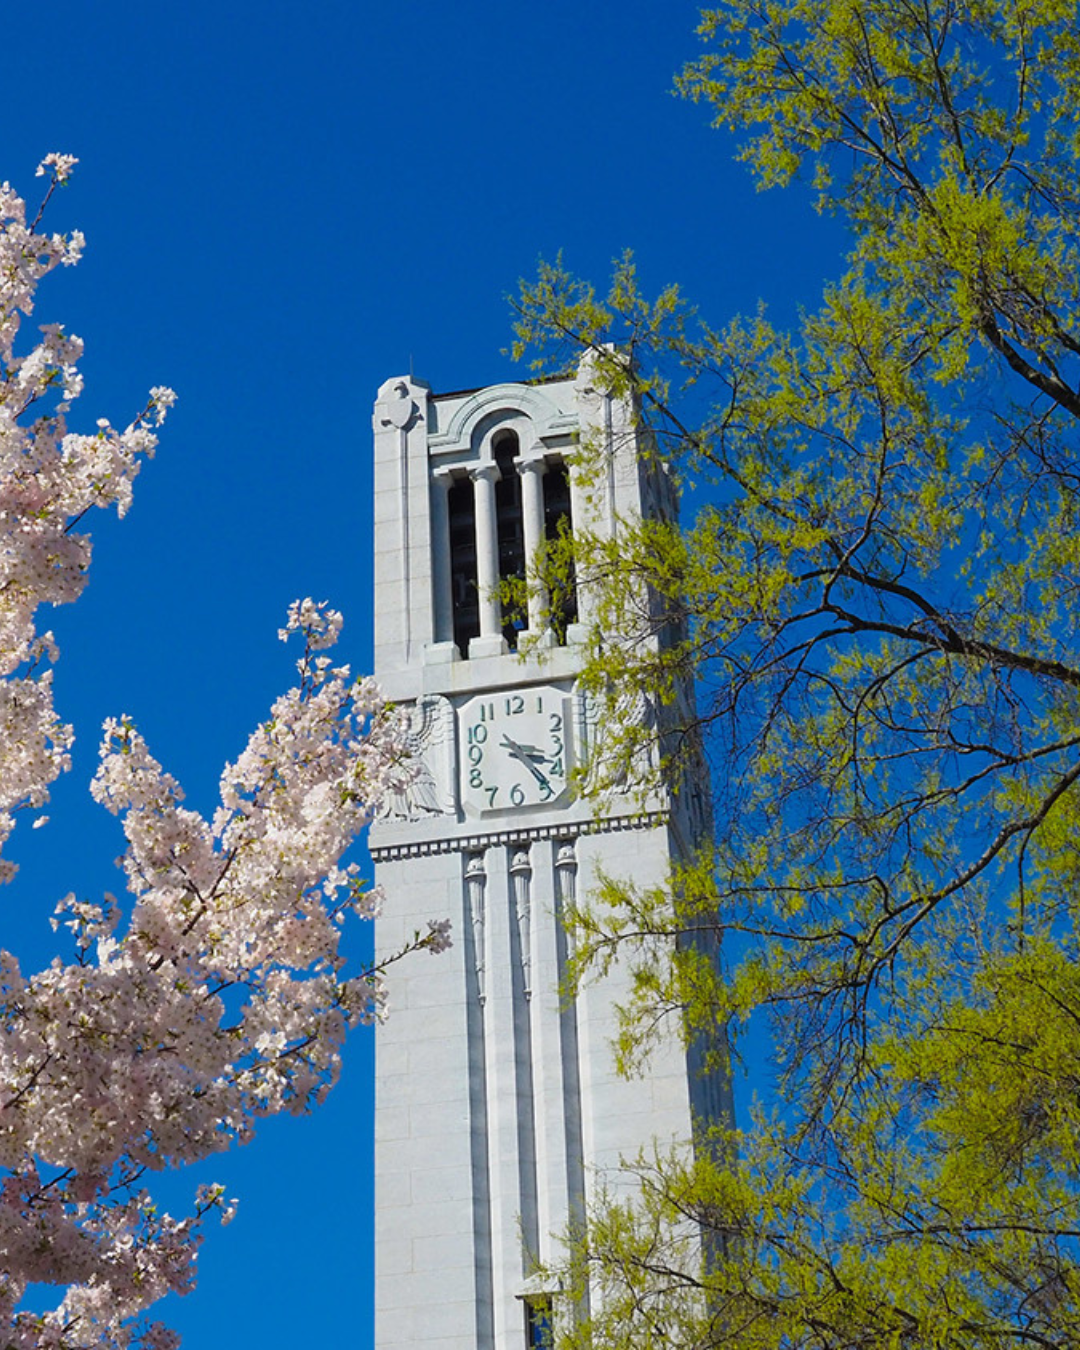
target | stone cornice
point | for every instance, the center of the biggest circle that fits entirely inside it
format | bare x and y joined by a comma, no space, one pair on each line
519,834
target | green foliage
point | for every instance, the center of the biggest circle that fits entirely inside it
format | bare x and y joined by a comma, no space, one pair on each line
875,597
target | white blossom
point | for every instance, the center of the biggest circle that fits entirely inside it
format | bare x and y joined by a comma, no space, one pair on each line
59,165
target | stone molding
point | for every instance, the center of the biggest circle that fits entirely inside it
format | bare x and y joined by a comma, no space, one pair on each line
474,843
534,402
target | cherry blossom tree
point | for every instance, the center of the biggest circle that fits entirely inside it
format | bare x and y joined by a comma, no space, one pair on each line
219,997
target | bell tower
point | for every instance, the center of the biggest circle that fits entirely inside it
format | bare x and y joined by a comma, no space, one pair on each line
497,1108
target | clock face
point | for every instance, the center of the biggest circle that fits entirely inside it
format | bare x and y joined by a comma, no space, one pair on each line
513,749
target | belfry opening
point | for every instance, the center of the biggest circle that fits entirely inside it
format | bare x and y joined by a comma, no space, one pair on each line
465,597
511,534
501,511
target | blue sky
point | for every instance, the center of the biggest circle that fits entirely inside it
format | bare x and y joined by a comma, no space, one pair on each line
285,205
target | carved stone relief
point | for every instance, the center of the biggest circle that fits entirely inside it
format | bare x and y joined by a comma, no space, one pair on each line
475,884
430,788
617,732
398,409
521,880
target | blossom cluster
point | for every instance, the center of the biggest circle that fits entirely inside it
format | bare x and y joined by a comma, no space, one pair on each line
50,478
222,997
222,1000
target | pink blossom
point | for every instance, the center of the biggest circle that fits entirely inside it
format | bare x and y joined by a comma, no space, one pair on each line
218,997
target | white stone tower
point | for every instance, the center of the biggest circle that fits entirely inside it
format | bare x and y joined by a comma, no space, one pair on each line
496,1109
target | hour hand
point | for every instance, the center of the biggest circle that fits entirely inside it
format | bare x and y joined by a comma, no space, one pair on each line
527,755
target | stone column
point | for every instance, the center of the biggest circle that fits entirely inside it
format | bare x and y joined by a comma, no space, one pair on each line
531,472
443,648
491,641
507,1111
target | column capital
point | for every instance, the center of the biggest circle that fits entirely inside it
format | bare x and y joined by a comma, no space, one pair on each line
532,462
488,472
444,478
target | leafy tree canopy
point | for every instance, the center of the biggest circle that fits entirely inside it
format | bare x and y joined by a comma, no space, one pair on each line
875,596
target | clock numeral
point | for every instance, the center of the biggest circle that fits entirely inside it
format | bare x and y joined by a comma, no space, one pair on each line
477,733
487,712
556,768
476,754
514,705
556,747
517,795
556,723
475,779
491,791
547,790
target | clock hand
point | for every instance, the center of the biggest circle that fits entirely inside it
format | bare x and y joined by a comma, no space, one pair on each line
526,754
530,751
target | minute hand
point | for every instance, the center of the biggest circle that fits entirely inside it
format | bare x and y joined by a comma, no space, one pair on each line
526,755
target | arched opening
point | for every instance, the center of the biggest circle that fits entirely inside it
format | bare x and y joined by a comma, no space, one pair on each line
511,532
461,508
557,521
